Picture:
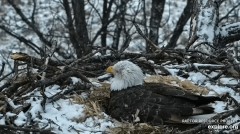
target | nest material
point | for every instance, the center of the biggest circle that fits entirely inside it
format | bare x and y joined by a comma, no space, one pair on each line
174,81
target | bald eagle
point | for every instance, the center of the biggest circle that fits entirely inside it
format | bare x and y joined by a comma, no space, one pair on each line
133,100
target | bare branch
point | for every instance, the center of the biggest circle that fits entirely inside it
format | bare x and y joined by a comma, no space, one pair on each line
2,69
229,12
30,24
28,43
147,39
34,11
187,12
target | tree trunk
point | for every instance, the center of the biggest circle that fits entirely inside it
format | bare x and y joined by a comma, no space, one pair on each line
206,35
187,12
81,26
203,25
155,20
106,14
120,22
71,29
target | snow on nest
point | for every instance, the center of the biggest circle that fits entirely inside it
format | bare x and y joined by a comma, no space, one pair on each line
197,77
63,116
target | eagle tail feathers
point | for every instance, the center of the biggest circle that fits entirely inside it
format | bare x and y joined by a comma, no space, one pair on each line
203,110
204,100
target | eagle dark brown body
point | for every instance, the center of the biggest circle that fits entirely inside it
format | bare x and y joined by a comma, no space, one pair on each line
133,100
157,104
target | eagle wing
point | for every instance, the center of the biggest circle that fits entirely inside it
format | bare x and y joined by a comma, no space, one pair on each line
167,90
153,104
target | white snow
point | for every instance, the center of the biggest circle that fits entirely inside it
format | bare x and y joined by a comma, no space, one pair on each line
52,90
9,114
75,80
62,116
213,74
197,77
2,120
220,89
21,119
10,102
207,65
230,81
219,107
173,71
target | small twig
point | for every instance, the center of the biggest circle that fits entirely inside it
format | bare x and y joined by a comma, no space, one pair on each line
5,85
145,37
199,66
2,69
34,11
5,76
88,56
206,43
53,80
77,86
196,67
44,100
191,41
227,15
30,24
233,99
5,58
8,127
196,51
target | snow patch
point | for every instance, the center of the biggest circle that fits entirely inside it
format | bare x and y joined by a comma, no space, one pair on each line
21,119
230,81
198,77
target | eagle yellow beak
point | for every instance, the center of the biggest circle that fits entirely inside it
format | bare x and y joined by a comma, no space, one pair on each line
110,70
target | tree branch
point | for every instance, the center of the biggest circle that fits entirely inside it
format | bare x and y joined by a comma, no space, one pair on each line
187,12
30,24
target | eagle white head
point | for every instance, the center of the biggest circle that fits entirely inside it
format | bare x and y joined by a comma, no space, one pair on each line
126,74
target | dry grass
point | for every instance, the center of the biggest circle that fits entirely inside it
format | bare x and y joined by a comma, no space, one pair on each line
141,128
91,108
93,105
